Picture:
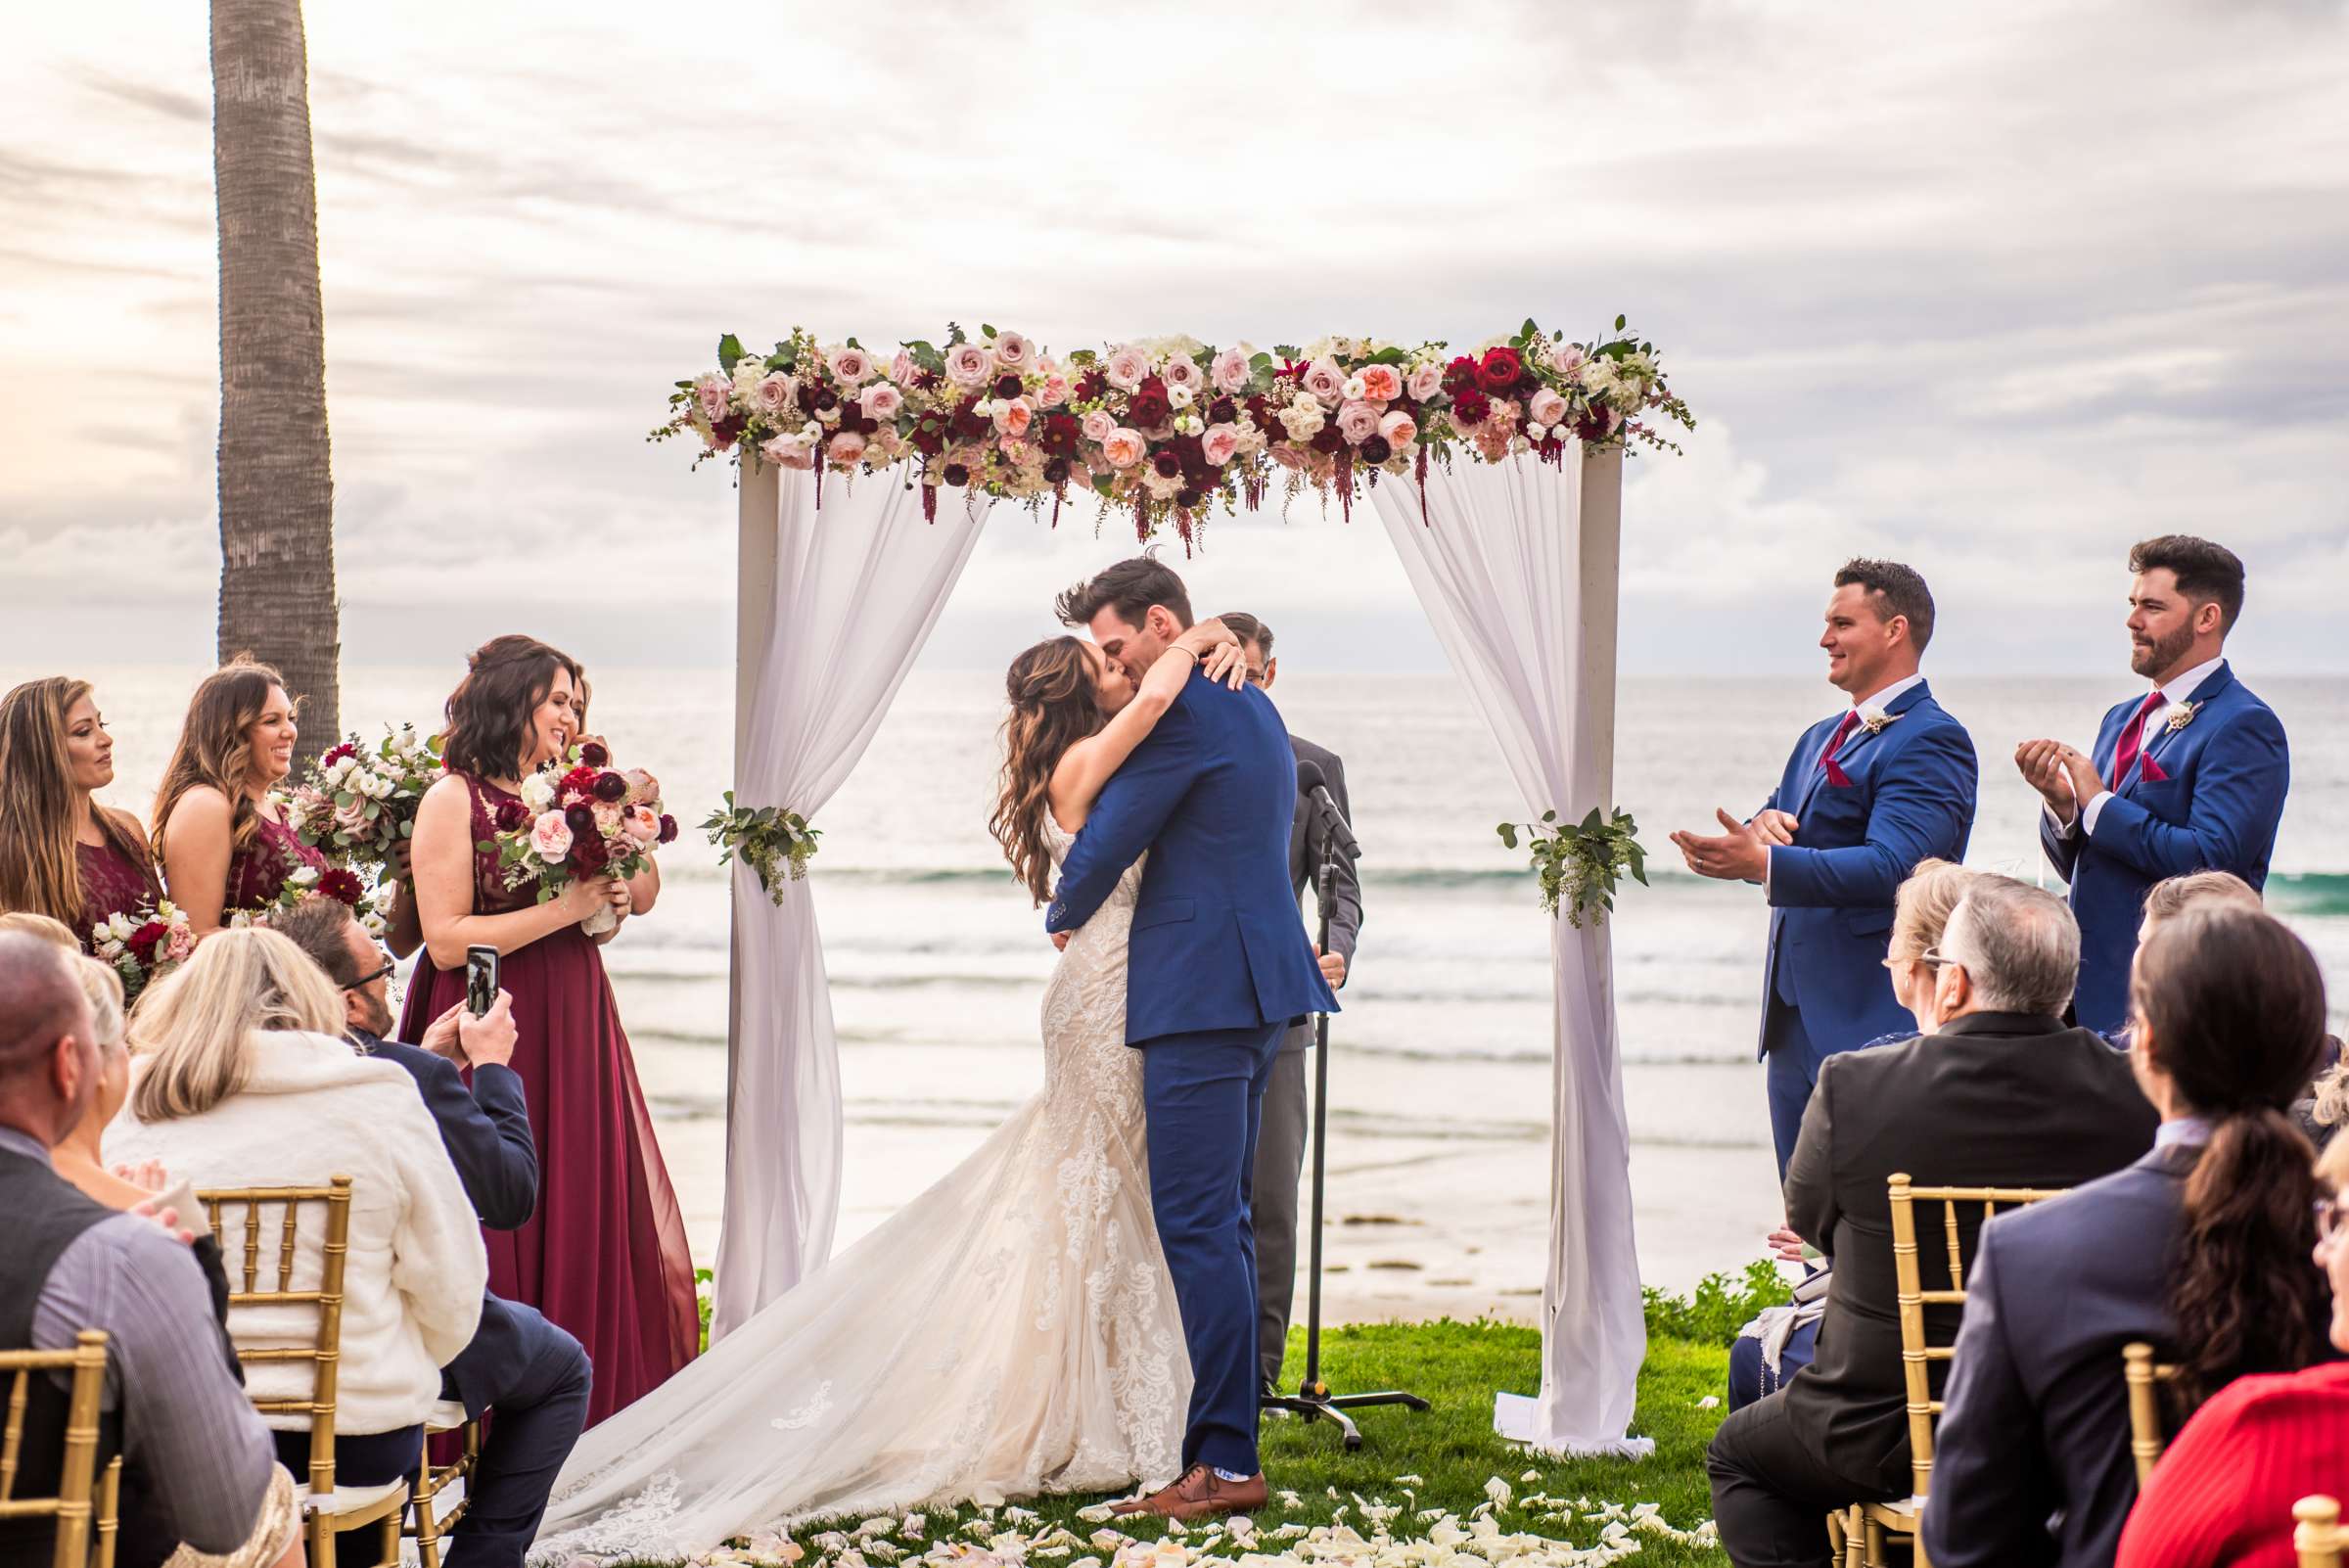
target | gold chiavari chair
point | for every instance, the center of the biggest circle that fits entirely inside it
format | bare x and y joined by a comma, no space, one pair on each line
84,1506
443,1492
2147,1436
326,1511
2316,1536
1866,1526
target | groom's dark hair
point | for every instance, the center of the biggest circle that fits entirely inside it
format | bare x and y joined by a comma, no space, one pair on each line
1893,590
1131,589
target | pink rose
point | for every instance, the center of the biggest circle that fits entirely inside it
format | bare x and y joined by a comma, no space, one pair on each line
850,367
1545,407
1398,429
1426,379
1097,425
1013,351
1053,393
716,395
1123,447
1381,384
1358,423
551,838
846,448
902,368
179,945
1325,381
790,451
1124,368
353,817
1614,420
1013,415
969,364
1220,443
1288,456
774,394
643,823
1183,371
1566,358
1229,372
881,400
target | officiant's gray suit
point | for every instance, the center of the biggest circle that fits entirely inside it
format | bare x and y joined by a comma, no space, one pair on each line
1280,1143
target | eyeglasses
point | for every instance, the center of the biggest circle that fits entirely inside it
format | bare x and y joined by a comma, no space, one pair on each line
371,977
1930,959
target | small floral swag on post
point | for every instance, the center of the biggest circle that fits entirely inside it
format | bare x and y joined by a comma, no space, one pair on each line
1580,865
1170,426
770,841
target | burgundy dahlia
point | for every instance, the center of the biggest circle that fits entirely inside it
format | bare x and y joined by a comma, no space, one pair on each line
1470,409
343,886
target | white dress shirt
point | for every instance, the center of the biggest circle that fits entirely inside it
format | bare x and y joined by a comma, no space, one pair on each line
2177,691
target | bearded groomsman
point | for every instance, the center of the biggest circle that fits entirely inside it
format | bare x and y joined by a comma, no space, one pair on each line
2190,777
1280,1144
1866,793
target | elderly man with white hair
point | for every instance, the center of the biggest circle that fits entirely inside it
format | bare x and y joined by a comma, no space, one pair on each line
2000,1094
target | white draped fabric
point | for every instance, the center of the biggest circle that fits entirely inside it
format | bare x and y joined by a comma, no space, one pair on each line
1496,560
858,584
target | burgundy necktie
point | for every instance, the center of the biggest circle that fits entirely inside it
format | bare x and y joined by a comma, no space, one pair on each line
1851,721
2124,755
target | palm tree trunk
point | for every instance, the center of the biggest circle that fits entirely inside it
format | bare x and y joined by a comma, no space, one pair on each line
277,494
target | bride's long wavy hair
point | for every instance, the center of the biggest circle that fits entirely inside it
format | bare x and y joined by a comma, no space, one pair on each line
1054,705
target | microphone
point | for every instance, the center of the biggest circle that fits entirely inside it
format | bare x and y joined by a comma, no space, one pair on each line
1313,785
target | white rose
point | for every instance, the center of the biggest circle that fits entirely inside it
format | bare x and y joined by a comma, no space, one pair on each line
537,792
1179,396
303,876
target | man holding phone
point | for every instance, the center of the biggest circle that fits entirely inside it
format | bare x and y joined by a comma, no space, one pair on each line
530,1372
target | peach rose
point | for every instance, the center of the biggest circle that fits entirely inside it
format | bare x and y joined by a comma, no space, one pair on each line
1053,393
1229,372
850,367
1325,381
1545,407
1124,368
1426,379
1123,447
1381,384
1358,423
1013,351
643,823
790,451
1221,444
1097,425
1399,428
1013,415
969,364
881,400
846,448
551,838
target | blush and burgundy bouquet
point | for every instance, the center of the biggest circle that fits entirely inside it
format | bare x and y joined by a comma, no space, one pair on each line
578,817
354,802
368,904
143,947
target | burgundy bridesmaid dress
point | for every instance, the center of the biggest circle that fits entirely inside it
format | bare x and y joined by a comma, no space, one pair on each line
604,1254
257,874
111,883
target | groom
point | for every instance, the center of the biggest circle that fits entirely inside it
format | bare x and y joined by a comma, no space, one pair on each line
1218,967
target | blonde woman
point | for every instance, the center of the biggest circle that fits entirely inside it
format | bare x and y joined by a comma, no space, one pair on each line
61,853
218,831
244,1080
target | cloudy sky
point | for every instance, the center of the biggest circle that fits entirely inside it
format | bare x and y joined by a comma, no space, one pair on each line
1995,289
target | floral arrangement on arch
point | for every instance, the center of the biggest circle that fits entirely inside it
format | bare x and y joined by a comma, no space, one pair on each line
1169,426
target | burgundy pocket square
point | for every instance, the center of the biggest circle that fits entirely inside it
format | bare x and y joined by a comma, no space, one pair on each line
1837,776
2153,773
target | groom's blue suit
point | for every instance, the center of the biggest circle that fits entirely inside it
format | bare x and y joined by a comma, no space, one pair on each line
1217,969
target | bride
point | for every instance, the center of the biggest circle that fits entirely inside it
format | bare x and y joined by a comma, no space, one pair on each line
1012,1330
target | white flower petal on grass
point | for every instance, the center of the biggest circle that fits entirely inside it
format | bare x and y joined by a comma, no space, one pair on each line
1711,1401
1098,1513
1290,1499
1499,1491
1531,1475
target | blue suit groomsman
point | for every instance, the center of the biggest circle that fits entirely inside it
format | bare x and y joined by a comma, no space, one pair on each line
1866,793
2187,776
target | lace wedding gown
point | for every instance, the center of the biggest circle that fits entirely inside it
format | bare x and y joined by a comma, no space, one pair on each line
1012,1330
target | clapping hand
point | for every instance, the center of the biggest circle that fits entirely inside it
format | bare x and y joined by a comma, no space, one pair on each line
2040,763
1739,855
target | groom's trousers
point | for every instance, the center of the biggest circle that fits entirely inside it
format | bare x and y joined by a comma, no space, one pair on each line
1205,1094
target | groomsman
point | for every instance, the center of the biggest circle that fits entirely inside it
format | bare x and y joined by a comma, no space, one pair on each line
1281,1143
1866,793
2190,777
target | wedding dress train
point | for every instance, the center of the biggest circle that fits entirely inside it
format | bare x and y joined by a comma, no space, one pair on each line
1012,1330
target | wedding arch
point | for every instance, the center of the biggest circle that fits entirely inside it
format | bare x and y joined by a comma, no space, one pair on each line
863,484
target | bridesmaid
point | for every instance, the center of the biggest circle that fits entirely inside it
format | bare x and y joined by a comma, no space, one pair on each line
223,845
604,1254
61,853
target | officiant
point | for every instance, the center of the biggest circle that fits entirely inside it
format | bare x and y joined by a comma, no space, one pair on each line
1280,1141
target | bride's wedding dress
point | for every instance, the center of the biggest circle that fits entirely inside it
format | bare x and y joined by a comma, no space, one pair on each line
1012,1330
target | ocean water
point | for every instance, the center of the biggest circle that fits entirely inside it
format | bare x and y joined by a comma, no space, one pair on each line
1442,1081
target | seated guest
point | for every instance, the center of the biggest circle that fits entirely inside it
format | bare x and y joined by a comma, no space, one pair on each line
61,853
197,1462
2199,1248
533,1375
1921,911
2223,1495
244,1081
2000,1095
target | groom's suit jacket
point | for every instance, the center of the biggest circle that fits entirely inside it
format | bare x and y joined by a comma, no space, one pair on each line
2214,807
1217,941
1907,796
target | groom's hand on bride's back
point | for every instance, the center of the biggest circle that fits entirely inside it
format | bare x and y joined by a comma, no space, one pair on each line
1060,940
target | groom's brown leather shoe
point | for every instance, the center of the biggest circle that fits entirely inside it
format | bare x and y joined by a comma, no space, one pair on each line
1201,1494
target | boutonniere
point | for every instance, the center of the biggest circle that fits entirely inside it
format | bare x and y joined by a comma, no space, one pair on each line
2178,715
1874,720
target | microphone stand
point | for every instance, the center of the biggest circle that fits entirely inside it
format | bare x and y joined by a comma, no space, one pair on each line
1313,1400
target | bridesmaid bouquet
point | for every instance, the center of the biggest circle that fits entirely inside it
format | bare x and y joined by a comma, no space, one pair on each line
339,883
145,946
353,805
581,818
